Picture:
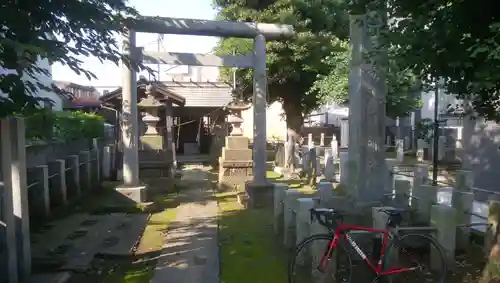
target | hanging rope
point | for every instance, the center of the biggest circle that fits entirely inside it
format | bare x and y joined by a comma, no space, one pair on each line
194,120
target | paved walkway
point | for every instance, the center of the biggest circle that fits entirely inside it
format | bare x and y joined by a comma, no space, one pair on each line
190,253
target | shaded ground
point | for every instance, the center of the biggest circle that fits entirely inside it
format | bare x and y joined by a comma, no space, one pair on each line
97,239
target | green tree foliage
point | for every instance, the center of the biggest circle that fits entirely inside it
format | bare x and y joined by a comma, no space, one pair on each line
454,40
293,64
457,41
59,31
46,125
403,94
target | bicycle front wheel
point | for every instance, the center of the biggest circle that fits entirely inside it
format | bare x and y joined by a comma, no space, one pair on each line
420,255
306,266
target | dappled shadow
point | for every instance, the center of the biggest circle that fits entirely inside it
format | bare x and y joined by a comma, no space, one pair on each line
106,223
190,251
482,154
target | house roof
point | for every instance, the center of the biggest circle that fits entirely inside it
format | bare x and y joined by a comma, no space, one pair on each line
79,102
141,85
202,94
65,91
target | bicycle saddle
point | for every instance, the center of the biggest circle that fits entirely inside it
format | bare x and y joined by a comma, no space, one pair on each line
393,211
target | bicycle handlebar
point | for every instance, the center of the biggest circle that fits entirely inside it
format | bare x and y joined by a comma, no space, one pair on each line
326,216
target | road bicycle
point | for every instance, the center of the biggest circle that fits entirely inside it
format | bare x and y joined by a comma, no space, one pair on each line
396,258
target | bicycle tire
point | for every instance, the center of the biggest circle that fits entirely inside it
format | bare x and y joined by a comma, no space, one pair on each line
420,243
340,250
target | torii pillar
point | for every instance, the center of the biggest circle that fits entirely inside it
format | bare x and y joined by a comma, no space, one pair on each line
257,60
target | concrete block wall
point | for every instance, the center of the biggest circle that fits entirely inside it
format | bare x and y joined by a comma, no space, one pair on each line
35,181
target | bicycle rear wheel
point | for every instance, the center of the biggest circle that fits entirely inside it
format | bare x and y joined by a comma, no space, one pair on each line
305,264
414,251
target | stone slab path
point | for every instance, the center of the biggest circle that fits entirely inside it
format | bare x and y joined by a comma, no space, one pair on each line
190,253
71,243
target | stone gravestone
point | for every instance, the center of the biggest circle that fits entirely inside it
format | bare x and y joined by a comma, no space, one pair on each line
421,145
313,169
280,155
310,142
441,148
305,158
329,172
407,143
400,154
335,147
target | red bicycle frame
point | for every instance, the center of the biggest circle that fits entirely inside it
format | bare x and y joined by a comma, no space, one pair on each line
342,230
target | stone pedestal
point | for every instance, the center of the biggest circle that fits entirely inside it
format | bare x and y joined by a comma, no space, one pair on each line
137,194
235,164
259,196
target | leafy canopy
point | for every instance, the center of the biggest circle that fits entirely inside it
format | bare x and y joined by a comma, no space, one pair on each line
454,40
403,95
293,64
59,31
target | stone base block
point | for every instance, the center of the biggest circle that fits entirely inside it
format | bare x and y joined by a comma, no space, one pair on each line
233,184
259,196
137,194
59,277
237,142
152,142
231,154
282,171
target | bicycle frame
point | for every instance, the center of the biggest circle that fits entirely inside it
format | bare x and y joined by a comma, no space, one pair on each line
342,231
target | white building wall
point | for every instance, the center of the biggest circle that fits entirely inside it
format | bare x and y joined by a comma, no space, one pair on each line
445,99
275,122
46,80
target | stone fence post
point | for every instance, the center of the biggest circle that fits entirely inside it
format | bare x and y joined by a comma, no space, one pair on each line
343,159
289,216
73,162
442,219
462,202
402,190
492,233
39,192
303,218
425,197
8,252
85,170
57,182
106,163
20,195
279,197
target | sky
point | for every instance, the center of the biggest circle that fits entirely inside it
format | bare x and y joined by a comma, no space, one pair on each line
109,74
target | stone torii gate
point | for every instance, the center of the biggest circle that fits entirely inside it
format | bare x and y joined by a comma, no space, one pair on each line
258,31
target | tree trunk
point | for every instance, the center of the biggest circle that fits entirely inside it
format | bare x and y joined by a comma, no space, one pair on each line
294,122
491,271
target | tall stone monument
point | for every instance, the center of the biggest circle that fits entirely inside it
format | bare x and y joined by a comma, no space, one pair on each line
236,162
367,98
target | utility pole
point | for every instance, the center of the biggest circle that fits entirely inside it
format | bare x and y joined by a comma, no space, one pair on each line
158,44
234,73
436,135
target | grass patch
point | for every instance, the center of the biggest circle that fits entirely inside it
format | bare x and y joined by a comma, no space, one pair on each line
272,175
249,251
